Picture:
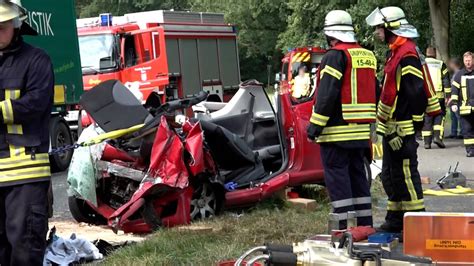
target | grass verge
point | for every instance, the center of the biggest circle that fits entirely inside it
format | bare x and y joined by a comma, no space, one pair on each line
270,221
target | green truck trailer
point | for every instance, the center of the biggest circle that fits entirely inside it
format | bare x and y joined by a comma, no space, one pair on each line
55,22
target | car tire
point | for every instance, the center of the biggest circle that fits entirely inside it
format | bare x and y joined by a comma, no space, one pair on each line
205,202
60,136
83,213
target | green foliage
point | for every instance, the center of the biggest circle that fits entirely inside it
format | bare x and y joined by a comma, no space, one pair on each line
268,28
461,30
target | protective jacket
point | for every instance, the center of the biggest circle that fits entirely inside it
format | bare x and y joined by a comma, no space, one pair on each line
407,91
26,98
346,97
463,91
440,76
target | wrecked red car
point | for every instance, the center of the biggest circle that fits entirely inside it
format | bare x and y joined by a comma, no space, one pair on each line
172,171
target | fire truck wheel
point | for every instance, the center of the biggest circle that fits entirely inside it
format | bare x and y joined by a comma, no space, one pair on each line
60,136
83,213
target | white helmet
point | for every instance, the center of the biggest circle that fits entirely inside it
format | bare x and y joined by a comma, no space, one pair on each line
14,10
393,19
338,24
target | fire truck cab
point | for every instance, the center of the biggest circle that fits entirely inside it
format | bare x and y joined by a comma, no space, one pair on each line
173,53
307,57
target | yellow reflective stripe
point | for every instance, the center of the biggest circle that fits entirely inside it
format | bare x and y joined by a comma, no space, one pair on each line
359,106
385,107
346,129
25,173
318,119
7,111
408,181
417,118
412,70
23,161
454,97
359,115
465,110
381,127
426,133
440,95
343,137
447,90
455,84
354,85
438,127
433,100
430,87
468,141
406,205
445,71
464,93
331,71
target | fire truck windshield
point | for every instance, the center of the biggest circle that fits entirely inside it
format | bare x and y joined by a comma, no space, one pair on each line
97,53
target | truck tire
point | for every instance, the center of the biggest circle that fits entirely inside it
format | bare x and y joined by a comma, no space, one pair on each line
60,136
83,213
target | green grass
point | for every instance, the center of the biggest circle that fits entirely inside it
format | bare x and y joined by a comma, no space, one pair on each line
270,221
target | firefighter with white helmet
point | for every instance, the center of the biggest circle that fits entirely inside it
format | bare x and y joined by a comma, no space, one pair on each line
345,106
26,97
407,94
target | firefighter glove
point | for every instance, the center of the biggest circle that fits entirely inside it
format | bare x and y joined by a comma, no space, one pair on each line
313,131
395,142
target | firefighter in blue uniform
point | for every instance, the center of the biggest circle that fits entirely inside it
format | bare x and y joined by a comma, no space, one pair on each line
345,106
26,97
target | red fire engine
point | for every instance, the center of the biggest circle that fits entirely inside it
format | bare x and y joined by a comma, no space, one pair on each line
174,53
291,62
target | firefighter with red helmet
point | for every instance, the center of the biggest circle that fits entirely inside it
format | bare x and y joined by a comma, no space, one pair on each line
407,93
344,109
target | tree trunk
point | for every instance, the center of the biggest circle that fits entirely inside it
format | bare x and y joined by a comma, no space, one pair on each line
439,13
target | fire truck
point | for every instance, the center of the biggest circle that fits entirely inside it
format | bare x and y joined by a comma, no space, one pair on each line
173,53
310,57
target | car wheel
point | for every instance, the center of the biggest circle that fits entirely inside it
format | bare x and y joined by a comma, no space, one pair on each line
83,213
204,202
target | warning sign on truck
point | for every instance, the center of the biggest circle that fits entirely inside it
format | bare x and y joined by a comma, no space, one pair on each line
450,244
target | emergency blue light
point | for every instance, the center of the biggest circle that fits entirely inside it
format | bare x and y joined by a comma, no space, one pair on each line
106,19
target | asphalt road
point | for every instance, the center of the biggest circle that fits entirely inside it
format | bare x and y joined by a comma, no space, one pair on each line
433,163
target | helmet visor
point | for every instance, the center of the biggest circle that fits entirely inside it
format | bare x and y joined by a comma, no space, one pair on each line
375,18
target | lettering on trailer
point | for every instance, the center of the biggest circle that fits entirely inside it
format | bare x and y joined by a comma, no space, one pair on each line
449,244
41,22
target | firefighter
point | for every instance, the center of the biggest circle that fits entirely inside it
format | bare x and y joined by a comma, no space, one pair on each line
407,93
463,93
26,96
433,130
345,106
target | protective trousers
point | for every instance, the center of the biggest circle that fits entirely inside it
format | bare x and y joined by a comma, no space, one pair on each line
434,126
401,181
346,180
23,223
467,124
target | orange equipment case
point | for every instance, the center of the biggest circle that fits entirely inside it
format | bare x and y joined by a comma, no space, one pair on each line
444,237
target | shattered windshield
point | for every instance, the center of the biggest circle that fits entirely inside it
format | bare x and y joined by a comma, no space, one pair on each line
97,53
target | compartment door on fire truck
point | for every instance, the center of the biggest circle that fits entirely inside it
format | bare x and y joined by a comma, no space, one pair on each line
144,60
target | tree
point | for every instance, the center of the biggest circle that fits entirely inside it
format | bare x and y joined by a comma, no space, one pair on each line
439,10
461,31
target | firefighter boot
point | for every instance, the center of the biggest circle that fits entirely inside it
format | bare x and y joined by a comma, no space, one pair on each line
437,139
427,142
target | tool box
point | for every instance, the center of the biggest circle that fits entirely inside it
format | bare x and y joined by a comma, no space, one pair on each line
444,237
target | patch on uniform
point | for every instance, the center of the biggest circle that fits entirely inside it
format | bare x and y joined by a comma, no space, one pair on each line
362,58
